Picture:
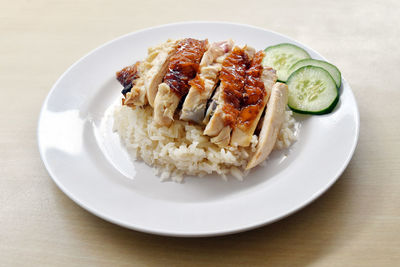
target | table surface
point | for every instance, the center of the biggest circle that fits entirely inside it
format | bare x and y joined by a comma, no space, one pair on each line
356,223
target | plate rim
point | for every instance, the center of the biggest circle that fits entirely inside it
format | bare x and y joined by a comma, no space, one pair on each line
161,232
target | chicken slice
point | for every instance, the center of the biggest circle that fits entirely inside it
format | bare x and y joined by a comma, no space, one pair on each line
182,68
203,84
165,105
212,131
223,138
228,96
136,94
151,71
273,119
128,77
257,89
157,65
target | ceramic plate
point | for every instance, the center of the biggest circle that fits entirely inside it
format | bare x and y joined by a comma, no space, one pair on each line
86,160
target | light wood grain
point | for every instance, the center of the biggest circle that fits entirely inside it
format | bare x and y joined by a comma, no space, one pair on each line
356,223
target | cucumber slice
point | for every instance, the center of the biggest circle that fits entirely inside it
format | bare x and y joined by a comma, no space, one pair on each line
282,56
312,90
333,71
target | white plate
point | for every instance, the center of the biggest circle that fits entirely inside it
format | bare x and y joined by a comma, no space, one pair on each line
86,160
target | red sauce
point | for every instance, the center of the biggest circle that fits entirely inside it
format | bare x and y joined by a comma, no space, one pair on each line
254,92
184,64
128,74
232,76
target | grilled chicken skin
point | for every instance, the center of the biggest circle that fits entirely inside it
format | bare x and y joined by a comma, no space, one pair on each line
128,74
257,89
225,105
203,85
182,68
271,125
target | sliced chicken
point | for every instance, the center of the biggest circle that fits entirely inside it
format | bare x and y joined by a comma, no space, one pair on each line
212,105
151,70
165,105
229,95
203,85
257,89
136,95
156,65
128,77
273,119
182,68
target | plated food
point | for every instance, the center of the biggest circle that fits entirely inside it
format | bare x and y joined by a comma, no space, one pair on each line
192,107
88,162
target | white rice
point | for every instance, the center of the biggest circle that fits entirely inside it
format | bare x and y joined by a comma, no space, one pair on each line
182,149
287,134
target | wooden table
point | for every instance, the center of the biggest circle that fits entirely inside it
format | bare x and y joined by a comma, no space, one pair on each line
356,223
